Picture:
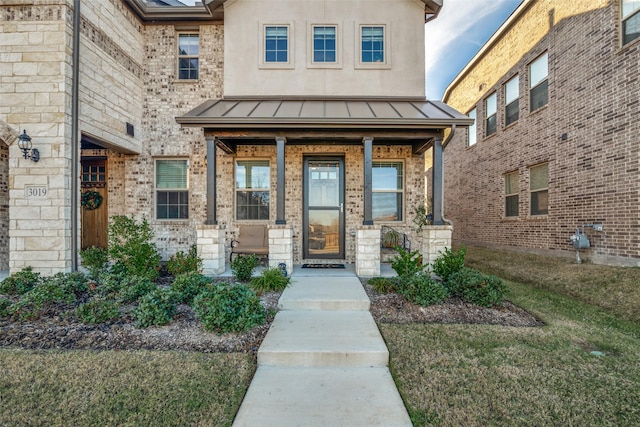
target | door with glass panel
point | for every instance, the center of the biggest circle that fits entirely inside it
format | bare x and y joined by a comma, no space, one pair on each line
323,235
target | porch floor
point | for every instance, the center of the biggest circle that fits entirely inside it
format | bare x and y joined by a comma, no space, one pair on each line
349,270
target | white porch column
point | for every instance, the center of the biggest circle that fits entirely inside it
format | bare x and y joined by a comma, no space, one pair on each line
281,247
210,242
368,251
435,239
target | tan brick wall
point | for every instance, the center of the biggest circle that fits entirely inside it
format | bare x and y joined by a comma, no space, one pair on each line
593,173
4,206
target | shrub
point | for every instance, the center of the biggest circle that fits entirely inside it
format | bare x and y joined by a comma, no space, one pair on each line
48,293
271,280
156,308
97,311
449,262
188,285
421,289
95,260
5,303
181,263
477,288
21,282
383,285
131,249
122,287
407,263
229,308
242,267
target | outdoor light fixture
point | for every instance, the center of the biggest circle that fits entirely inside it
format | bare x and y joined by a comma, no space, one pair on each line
24,142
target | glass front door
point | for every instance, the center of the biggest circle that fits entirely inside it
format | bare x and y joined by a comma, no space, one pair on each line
324,207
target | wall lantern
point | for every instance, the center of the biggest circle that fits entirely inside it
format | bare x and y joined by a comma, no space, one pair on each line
24,142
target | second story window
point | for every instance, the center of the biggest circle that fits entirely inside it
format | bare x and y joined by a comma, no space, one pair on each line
630,20
325,44
539,82
490,110
276,45
188,51
512,106
372,45
472,128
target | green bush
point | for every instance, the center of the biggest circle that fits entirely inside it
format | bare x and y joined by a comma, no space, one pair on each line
156,308
131,249
20,282
270,280
122,287
181,263
51,291
476,288
97,311
5,303
188,285
229,308
407,263
383,285
421,289
95,260
449,262
242,267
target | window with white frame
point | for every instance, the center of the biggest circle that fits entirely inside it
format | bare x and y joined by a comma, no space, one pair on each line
188,61
511,101
388,190
538,187
490,112
252,189
372,44
472,129
324,48
276,44
511,194
630,20
172,189
538,82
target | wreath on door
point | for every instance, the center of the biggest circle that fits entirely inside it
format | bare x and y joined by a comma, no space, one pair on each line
91,200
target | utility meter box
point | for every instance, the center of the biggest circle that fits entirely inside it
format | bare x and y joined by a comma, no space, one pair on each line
580,241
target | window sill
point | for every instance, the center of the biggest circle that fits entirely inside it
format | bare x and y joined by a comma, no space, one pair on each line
536,111
543,217
186,80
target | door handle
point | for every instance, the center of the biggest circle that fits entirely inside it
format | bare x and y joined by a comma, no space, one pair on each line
341,207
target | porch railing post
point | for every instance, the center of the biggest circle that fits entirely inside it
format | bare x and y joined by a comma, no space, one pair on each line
211,181
368,180
437,188
280,180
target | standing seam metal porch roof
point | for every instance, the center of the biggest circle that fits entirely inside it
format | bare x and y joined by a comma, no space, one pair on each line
324,113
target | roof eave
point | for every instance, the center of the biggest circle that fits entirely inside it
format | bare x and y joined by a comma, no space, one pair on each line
207,11
321,123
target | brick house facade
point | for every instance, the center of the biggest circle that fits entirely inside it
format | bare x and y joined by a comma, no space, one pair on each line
556,143
145,73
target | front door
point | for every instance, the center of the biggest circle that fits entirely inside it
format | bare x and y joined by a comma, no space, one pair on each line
94,216
323,235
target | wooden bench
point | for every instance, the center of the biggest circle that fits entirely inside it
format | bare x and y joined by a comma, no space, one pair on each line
252,239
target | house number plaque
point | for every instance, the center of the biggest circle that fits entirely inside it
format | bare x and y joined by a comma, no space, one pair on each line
36,191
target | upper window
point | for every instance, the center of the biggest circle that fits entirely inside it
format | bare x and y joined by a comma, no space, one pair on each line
325,43
538,186
472,128
276,44
188,51
387,191
630,20
252,189
511,194
511,95
490,110
538,82
372,45
172,192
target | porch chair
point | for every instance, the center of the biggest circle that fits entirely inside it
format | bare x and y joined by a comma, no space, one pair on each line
252,239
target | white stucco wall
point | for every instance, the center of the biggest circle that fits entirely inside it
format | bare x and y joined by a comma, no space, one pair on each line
403,76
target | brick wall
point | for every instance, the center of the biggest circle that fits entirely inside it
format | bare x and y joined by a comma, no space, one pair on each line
593,168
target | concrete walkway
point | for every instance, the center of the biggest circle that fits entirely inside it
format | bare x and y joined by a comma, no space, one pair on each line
323,362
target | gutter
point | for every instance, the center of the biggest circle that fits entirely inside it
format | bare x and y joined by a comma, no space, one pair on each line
75,143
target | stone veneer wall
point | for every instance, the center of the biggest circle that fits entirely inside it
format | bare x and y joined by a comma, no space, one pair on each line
593,172
4,206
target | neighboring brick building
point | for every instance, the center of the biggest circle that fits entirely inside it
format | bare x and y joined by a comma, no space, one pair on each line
205,118
556,144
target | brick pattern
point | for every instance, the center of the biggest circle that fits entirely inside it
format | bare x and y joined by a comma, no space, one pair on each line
4,206
593,171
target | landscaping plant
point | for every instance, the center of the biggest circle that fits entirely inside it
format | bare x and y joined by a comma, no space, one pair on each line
156,308
20,282
181,263
97,310
229,308
270,280
449,262
383,285
474,287
130,247
421,289
407,263
242,267
188,285
95,260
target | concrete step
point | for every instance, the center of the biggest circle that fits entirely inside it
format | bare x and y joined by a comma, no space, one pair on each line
324,339
324,293
351,397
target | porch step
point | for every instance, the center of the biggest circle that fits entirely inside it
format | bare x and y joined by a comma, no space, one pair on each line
323,339
322,397
324,293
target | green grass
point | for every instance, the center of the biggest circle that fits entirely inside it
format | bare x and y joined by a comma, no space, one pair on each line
126,388
478,375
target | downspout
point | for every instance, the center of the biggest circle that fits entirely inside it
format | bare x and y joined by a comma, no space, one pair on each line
75,83
444,145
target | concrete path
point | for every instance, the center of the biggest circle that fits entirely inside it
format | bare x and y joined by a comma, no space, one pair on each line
323,362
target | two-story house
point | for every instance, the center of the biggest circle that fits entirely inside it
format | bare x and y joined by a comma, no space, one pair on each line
305,116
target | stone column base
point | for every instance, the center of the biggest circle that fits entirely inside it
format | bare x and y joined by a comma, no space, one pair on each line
281,247
368,251
210,242
435,239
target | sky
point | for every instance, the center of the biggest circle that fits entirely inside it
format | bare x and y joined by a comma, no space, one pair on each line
455,36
